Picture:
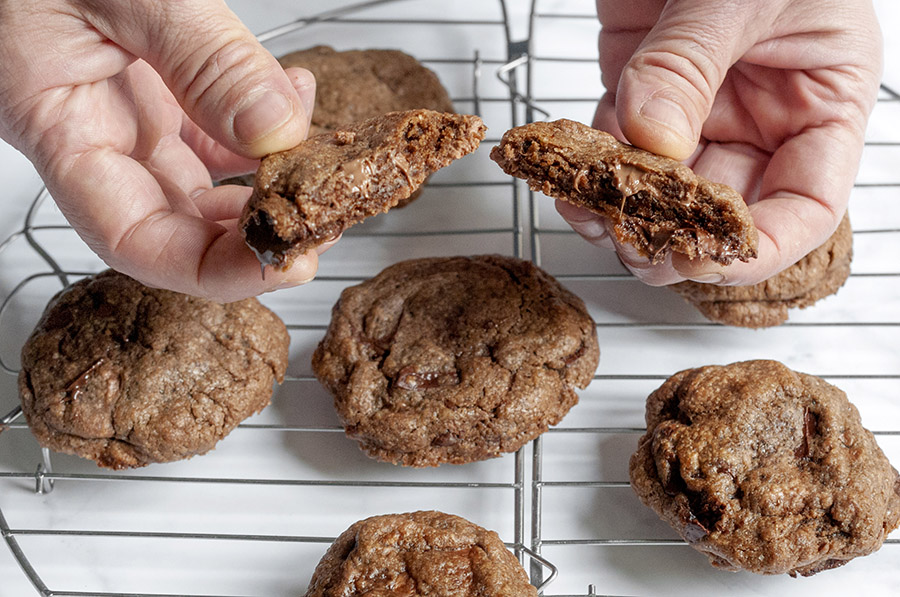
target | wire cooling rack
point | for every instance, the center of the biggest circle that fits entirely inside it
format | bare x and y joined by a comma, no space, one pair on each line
253,517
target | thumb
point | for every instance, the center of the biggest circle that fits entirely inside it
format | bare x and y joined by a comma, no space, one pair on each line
225,81
667,88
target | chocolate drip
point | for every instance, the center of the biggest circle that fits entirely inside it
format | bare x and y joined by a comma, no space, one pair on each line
76,385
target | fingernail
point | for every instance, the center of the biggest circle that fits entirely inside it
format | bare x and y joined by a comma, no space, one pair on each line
290,284
669,114
261,116
714,278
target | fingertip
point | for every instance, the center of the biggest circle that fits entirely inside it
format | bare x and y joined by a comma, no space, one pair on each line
302,271
587,224
660,124
320,249
304,83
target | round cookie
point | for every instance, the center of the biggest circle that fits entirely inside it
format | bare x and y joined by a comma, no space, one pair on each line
455,359
127,375
821,273
419,553
356,85
764,469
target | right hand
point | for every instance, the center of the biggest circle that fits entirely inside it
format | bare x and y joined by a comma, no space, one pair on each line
771,97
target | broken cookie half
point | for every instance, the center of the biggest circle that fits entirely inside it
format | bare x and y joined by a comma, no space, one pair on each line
308,195
654,203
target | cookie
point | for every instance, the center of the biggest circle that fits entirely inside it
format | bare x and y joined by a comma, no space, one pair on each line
455,359
656,204
127,375
419,553
356,85
310,194
821,273
764,469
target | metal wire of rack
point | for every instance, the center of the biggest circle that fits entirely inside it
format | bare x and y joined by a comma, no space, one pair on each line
563,503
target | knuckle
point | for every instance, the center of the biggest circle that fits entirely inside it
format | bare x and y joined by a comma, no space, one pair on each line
693,72
213,71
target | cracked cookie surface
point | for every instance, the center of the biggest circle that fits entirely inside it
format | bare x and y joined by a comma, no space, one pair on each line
127,375
764,469
455,359
419,553
654,203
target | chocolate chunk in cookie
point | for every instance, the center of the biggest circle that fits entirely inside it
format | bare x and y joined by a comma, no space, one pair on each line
356,85
656,204
457,359
765,469
310,194
418,554
127,375
821,273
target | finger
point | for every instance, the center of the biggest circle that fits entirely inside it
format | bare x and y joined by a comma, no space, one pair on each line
741,166
666,90
158,145
652,274
221,161
592,227
129,223
589,225
227,83
802,202
221,203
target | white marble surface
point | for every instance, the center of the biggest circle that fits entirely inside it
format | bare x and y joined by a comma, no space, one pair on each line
646,334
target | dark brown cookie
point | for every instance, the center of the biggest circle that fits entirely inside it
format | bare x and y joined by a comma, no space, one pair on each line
356,85
765,469
656,204
128,375
821,273
419,554
310,194
455,359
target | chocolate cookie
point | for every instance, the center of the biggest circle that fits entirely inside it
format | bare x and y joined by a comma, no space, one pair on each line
419,554
455,359
356,85
128,375
654,203
821,273
310,194
765,469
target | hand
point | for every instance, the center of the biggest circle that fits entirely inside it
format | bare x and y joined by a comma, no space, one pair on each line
129,110
770,97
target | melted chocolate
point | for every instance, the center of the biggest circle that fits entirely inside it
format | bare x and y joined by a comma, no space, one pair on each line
411,379
76,385
810,428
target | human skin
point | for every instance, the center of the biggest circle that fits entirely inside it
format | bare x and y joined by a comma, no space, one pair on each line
130,110
771,97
